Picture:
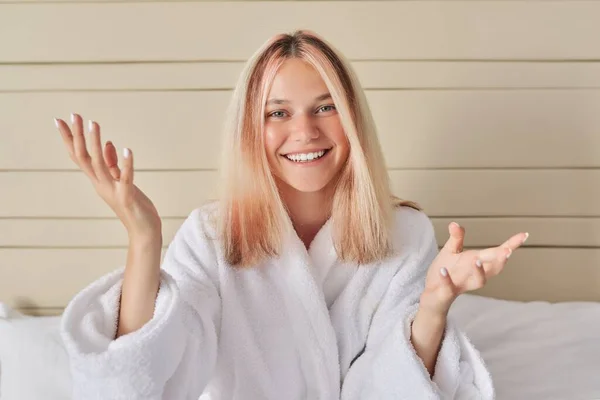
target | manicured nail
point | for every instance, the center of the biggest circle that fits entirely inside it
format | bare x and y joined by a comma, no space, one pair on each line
56,122
444,271
478,263
90,125
72,118
526,236
509,253
126,152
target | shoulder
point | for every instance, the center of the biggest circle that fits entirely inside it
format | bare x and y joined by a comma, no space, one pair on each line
200,225
412,228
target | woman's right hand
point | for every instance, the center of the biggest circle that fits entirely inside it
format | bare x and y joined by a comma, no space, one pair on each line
113,184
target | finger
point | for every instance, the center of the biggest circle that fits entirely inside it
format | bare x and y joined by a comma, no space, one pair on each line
447,289
494,259
127,170
112,161
495,254
82,156
478,279
98,163
454,244
67,137
516,241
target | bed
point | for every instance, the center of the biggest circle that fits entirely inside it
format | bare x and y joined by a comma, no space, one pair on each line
535,350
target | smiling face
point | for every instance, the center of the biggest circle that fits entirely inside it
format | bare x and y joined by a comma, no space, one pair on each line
305,143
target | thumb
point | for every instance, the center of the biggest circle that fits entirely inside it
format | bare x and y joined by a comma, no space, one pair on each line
454,244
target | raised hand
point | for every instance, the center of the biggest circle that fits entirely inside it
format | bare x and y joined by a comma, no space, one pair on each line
454,271
113,184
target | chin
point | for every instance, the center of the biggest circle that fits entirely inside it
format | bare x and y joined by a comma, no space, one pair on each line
304,186
308,187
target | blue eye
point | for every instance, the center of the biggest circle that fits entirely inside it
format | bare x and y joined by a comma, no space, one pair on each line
329,106
276,112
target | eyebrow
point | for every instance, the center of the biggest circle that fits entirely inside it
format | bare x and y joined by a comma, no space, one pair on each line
283,101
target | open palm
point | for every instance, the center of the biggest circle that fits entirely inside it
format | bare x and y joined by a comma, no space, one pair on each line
454,271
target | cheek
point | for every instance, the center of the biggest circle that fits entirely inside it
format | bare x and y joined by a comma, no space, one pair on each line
338,136
274,139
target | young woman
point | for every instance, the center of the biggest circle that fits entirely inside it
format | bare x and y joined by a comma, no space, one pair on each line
307,279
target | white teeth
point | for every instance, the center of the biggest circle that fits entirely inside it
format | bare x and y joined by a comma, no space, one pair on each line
305,156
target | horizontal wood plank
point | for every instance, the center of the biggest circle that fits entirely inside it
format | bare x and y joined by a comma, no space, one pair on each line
548,274
442,193
417,129
50,278
427,75
480,232
362,30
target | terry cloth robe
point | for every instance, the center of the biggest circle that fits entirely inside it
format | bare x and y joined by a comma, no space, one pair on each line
299,326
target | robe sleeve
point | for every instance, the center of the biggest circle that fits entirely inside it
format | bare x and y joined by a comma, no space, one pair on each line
174,354
389,367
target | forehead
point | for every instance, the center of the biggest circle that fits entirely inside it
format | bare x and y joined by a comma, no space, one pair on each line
296,80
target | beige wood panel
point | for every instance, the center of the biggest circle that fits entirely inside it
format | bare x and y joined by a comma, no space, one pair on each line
50,278
548,274
452,193
182,130
164,130
362,30
71,194
144,1
72,233
372,75
481,232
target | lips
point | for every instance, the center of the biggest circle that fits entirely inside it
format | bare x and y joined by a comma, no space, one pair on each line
309,162
307,151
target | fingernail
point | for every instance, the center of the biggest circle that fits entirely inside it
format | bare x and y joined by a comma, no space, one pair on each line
478,263
90,125
455,223
126,152
72,118
444,271
509,253
56,122
526,236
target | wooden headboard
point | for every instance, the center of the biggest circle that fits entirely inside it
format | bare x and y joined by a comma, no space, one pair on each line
487,114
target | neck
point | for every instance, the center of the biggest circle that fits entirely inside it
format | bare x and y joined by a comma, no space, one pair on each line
308,211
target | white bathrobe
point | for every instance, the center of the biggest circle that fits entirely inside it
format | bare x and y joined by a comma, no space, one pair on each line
297,327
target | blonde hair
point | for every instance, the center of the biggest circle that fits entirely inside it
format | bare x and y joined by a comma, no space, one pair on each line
253,220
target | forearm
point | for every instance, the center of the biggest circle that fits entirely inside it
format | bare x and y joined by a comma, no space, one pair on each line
140,285
427,332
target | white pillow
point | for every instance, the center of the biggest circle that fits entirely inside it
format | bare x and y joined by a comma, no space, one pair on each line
33,362
535,350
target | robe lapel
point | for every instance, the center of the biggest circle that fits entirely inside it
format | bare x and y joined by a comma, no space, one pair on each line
298,266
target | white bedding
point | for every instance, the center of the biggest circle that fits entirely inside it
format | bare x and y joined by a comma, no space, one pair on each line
534,350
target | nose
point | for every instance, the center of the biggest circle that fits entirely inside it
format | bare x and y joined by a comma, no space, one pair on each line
304,129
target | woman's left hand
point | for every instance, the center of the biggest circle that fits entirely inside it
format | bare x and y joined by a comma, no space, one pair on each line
454,272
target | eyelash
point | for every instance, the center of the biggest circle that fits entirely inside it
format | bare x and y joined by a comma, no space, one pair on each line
271,114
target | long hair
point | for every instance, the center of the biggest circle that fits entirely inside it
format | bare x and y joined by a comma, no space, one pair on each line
253,219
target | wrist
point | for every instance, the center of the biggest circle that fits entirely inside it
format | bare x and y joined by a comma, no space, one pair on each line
431,305
146,242
437,313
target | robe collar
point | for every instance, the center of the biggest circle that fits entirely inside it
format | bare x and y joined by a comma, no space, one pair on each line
298,264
